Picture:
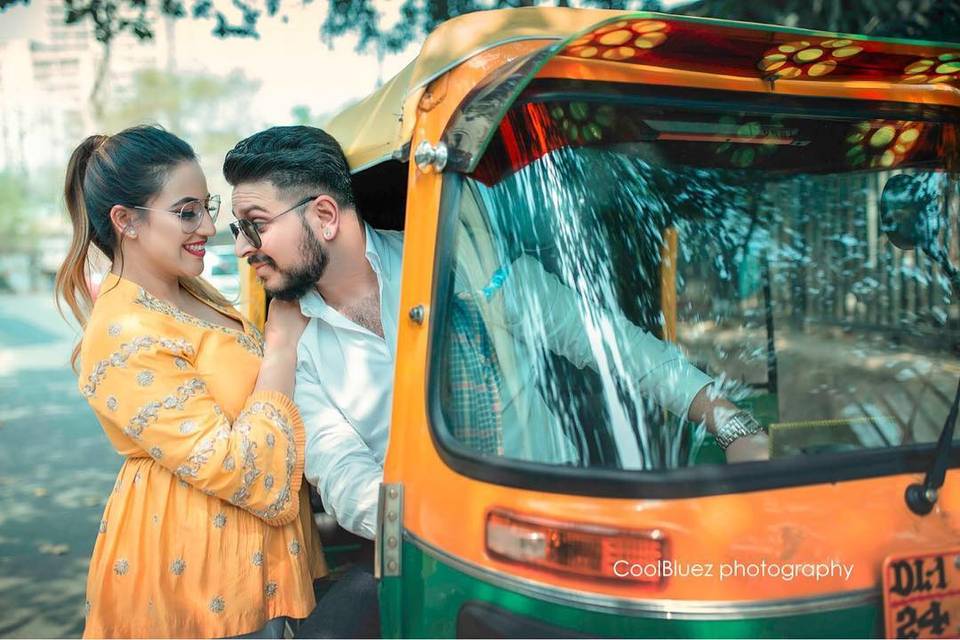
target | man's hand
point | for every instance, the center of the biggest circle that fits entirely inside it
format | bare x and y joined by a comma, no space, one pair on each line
749,448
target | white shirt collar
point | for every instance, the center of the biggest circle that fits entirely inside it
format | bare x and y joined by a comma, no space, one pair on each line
312,304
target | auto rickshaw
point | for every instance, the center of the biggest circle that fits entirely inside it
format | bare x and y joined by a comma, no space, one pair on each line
779,204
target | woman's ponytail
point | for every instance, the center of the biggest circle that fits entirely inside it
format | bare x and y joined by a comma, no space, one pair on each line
72,283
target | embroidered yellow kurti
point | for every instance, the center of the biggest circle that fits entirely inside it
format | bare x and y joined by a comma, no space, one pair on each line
208,531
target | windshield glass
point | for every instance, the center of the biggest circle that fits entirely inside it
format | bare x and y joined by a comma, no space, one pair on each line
617,268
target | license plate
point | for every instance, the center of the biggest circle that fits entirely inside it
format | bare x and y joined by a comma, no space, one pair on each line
921,595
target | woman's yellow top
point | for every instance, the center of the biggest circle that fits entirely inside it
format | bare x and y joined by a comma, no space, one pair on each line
208,531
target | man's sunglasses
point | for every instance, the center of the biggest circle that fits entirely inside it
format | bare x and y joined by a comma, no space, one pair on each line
251,229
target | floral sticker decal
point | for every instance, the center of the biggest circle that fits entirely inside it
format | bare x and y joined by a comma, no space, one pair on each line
806,58
583,122
620,41
933,69
882,143
763,136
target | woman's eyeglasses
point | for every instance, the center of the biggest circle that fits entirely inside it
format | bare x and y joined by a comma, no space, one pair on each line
251,228
191,213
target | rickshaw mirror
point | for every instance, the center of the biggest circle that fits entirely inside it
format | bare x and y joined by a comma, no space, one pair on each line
909,211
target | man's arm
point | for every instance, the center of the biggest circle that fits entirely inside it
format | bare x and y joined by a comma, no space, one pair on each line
660,369
337,461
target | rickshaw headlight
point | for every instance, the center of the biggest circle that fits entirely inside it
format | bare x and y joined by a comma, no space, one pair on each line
587,551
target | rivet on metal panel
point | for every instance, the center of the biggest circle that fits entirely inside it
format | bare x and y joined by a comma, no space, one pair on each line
416,314
389,531
430,158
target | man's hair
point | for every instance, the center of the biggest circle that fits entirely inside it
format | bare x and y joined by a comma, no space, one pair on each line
294,158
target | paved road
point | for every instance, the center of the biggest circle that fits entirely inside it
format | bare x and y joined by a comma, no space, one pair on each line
56,469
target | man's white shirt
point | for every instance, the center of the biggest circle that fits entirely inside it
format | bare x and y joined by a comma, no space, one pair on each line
345,376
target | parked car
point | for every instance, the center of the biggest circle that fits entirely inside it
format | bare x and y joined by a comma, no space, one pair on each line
221,269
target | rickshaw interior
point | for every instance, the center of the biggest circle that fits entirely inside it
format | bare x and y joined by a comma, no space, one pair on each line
754,233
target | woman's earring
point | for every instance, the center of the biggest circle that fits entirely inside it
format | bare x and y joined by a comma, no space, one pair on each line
327,234
130,232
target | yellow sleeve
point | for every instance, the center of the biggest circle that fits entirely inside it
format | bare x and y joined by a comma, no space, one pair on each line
150,391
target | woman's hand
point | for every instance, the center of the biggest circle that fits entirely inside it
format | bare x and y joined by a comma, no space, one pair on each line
285,325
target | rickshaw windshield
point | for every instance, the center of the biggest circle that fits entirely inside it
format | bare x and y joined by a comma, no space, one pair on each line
613,260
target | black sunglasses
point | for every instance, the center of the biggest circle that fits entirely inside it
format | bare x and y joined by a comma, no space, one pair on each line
251,230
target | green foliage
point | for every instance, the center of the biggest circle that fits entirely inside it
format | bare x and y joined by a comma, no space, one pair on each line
303,114
920,19
15,223
210,112
360,17
925,19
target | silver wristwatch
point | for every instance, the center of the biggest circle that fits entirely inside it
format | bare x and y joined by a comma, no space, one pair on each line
739,425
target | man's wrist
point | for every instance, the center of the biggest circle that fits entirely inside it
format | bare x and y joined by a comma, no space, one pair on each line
739,425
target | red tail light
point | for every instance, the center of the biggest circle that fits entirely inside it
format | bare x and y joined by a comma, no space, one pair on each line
584,550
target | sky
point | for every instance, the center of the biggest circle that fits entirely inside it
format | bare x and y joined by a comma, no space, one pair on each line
291,63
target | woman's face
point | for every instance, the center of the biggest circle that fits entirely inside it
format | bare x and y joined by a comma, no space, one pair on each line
161,243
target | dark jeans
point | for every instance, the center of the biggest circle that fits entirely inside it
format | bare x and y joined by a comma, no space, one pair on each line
347,605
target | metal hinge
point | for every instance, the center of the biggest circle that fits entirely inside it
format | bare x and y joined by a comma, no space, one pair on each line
388,548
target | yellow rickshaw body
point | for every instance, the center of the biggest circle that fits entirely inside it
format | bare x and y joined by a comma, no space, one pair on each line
445,512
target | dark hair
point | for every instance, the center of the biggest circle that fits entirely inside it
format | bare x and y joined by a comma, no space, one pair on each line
294,158
126,169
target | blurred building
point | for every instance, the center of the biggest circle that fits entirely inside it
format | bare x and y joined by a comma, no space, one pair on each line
46,83
18,103
47,77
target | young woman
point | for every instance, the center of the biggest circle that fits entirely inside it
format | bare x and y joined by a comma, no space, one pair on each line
208,531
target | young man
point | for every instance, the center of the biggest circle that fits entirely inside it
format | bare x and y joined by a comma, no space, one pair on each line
298,226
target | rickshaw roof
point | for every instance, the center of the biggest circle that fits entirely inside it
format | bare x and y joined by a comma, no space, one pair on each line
379,127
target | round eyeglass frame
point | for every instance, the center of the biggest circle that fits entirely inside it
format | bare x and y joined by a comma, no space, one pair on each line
211,207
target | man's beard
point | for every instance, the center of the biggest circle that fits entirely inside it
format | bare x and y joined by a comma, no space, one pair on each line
296,282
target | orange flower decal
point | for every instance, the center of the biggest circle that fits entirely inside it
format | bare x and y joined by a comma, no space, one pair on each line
933,70
619,41
807,58
882,143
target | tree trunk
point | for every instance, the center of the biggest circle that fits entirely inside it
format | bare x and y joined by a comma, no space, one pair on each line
99,83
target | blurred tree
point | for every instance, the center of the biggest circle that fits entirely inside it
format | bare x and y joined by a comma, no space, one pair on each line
16,229
210,112
303,114
929,19
923,19
239,18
